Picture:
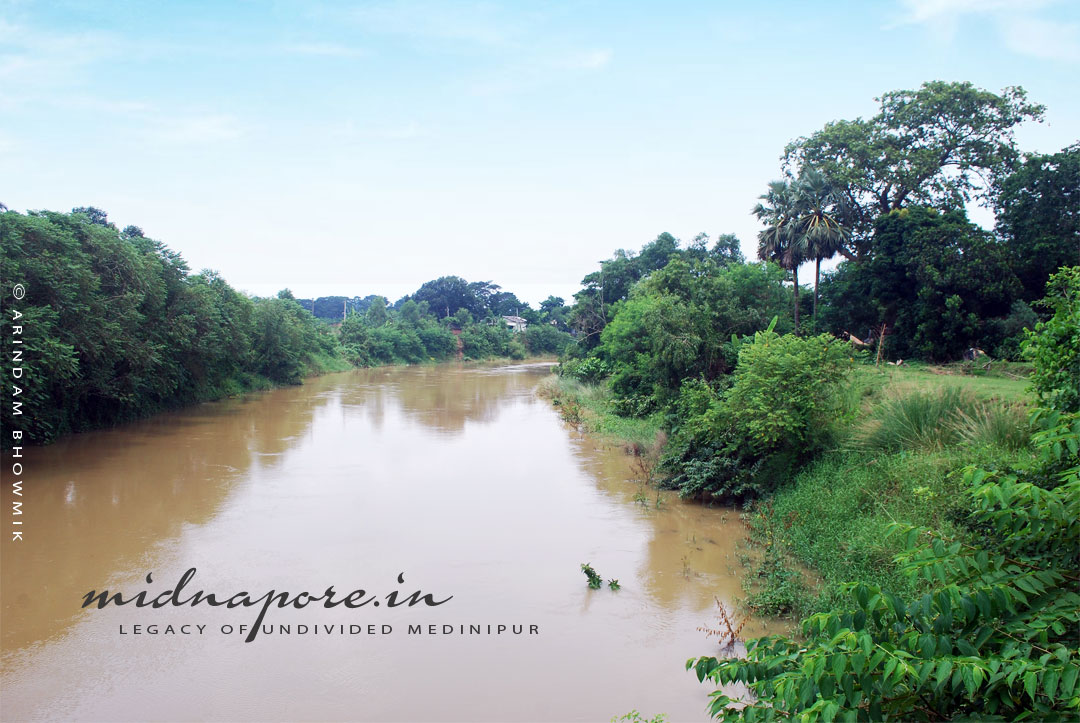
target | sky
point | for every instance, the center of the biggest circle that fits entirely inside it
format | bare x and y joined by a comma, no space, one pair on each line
366,147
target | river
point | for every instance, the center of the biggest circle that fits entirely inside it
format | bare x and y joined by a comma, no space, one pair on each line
458,477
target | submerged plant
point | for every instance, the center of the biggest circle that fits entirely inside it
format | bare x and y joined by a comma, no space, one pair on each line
727,630
595,581
613,584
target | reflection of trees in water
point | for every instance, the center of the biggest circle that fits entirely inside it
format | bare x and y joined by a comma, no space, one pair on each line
97,503
442,397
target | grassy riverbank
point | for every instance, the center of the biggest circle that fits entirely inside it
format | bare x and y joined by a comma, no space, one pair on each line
896,460
901,436
590,406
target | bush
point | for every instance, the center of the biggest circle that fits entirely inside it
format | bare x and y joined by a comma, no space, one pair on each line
516,350
546,339
589,371
776,414
992,637
1054,345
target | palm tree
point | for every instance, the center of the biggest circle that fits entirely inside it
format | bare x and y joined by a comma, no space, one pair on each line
781,240
820,208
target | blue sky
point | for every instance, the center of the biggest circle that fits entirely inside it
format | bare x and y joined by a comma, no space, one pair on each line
355,148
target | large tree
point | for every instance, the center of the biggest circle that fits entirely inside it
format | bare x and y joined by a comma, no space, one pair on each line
1038,216
446,294
940,145
939,283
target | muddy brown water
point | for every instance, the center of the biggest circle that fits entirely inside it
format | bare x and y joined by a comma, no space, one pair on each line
458,477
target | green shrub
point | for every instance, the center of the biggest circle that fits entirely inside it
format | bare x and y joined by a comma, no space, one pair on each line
516,350
1054,345
590,370
777,413
988,632
546,339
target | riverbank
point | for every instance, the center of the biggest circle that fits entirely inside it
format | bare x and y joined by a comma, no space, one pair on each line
590,407
313,366
904,433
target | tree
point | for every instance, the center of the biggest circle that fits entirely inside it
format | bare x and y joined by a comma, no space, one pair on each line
1038,216
780,241
376,314
447,294
821,207
728,250
940,145
1054,345
95,215
938,282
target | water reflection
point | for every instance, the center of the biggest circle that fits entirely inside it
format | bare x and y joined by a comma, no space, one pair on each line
97,504
457,475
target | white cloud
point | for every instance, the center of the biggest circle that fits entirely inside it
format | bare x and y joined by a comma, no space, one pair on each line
588,60
32,57
327,50
923,11
1043,38
1018,23
475,22
403,132
197,129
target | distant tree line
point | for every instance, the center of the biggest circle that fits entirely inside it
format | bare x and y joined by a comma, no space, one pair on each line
114,327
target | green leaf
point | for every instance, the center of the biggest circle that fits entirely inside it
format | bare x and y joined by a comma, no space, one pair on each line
1068,680
1050,683
943,670
969,681
1030,682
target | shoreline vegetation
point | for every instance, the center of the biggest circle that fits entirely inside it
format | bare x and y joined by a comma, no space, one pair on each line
114,327
906,431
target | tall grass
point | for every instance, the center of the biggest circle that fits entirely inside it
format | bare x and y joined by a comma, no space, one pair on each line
997,425
932,420
590,406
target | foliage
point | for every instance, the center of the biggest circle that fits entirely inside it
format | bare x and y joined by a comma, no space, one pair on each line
1038,216
445,295
595,581
929,420
935,145
115,327
737,444
590,370
1054,345
802,222
636,717
935,280
481,341
546,339
992,635
612,283
677,324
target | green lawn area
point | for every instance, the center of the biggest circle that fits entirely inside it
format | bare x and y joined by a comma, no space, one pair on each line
1006,384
